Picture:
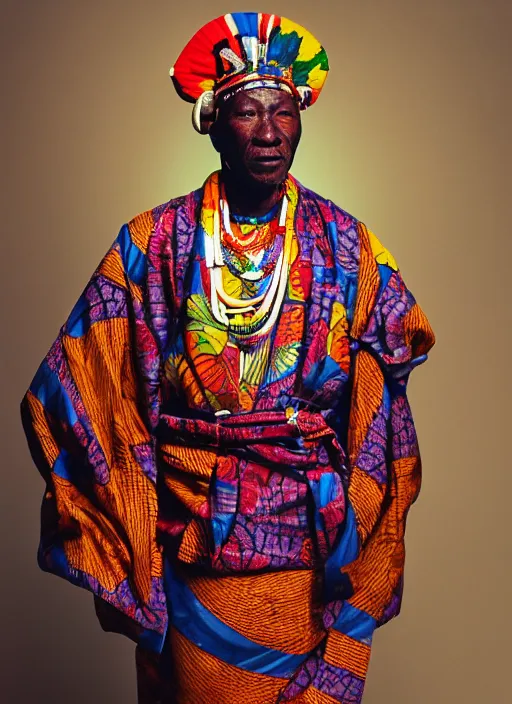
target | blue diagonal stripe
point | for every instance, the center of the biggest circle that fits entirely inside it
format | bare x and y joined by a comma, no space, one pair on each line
201,627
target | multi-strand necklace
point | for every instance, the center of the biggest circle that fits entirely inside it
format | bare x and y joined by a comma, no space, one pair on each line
251,246
248,281
264,306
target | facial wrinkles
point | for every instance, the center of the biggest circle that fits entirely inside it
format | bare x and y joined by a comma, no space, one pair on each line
264,132
270,127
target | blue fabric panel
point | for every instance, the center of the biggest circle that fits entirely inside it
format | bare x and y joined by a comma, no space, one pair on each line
328,489
385,273
336,582
62,467
48,389
321,372
76,324
151,640
54,561
355,623
201,627
221,526
133,258
386,399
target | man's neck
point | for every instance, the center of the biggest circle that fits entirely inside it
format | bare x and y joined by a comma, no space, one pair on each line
251,201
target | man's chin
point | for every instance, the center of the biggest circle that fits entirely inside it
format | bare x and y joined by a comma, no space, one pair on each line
268,177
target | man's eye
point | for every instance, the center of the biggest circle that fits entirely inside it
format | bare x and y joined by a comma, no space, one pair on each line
285,113
246,113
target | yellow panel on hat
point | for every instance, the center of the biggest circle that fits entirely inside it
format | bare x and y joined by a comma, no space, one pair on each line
309,46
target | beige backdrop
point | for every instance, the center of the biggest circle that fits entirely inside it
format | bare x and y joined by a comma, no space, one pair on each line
411,135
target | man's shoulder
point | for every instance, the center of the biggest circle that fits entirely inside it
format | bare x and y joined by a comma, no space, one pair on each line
142,225
343,229
333,211
349,234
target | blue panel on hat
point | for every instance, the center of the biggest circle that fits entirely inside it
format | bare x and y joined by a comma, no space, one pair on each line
247,23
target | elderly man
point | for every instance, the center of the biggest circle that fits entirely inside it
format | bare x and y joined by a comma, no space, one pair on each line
222,421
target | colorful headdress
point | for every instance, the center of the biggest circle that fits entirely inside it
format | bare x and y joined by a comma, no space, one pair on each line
244,50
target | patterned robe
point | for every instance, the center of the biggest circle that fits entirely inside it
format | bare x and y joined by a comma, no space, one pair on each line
250,556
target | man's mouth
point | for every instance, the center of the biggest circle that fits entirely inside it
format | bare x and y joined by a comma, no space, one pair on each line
266,163
268,158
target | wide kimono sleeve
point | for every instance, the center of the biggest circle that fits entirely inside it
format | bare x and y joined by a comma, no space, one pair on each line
89,416
390,336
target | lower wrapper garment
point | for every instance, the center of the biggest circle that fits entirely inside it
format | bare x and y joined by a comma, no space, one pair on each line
256,526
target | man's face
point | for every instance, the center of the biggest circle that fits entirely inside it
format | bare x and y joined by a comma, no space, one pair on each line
257,133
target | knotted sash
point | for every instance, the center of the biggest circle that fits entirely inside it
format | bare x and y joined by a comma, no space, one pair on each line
251,491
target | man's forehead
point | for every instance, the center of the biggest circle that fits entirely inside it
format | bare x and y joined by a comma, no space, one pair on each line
266,97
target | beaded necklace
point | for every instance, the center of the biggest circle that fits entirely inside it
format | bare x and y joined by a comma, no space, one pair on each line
264,307
257,262
251,245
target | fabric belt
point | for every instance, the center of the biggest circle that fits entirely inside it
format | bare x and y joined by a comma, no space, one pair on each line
292,445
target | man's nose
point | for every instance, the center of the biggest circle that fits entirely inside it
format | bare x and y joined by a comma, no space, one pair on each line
266,133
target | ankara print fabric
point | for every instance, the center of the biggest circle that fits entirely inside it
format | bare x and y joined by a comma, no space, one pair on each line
88,416
254,554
